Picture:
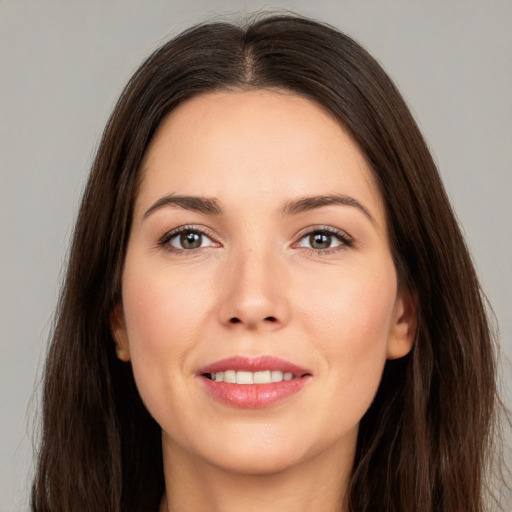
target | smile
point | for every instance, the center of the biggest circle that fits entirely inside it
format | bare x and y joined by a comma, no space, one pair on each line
253,382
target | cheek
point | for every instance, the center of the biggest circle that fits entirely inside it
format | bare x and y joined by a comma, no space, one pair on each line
162,310
163,316
352,309
350,324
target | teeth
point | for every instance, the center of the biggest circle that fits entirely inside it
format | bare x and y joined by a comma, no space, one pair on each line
262,377
229,376
277,376
242,377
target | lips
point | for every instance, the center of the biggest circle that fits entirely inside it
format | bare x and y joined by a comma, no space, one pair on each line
253,382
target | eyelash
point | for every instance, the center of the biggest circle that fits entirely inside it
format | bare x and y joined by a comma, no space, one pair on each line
345,240
164,242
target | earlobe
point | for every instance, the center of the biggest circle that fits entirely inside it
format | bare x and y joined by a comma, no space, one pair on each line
119,334
404,325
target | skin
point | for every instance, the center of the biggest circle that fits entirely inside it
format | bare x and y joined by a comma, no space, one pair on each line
257,286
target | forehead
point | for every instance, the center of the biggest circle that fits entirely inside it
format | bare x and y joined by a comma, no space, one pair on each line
270,144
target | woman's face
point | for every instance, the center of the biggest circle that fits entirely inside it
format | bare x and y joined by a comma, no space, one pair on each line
258,253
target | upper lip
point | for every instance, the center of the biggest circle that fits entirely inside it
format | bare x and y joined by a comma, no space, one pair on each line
253,364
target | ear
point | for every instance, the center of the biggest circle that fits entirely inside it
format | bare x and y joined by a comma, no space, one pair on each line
404,324
119,333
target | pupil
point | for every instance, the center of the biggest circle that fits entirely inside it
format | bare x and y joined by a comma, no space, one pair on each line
320,241
190,240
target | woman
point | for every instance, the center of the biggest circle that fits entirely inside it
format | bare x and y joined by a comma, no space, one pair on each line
268,303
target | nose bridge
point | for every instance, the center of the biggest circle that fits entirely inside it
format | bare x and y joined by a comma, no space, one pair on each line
254,292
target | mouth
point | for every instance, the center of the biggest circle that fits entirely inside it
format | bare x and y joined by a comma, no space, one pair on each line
253,382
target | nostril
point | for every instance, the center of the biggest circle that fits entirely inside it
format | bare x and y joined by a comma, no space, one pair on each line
236,320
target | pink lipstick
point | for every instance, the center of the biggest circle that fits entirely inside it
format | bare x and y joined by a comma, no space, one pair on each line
253,382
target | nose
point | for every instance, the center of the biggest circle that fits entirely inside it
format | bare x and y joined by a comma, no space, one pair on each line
254,292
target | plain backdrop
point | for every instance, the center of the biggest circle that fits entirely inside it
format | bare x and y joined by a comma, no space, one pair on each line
62,67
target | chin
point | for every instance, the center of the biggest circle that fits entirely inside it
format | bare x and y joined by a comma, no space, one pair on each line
251,451
261,451
253,462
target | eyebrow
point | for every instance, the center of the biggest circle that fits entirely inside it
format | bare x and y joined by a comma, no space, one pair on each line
193,203
210,205
307,203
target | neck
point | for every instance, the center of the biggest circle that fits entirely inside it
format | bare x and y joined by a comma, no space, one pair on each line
194,484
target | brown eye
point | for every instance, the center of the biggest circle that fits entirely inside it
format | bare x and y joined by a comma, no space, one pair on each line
325,238
188,240
320,240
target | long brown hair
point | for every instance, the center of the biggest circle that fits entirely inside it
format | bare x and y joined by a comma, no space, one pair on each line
425,442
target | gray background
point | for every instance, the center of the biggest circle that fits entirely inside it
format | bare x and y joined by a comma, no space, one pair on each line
62,66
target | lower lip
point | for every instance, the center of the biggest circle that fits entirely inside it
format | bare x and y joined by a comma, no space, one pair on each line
254,396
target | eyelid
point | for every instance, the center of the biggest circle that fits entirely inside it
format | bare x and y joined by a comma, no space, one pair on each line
346,240
163,241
